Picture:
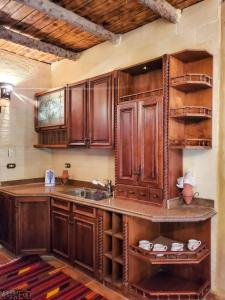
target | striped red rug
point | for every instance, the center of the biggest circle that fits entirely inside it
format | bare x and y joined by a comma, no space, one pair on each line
30,277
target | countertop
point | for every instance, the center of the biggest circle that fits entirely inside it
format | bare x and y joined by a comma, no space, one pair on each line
183,213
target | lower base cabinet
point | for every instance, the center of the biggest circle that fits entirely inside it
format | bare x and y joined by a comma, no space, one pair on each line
7,221
84,248
105,245
25,224
73,231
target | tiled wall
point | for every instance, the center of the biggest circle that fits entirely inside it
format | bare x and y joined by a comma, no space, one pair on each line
17,121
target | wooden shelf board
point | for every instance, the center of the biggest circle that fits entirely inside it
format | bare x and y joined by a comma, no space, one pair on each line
59,146
108,232
190,144
155,92
171,257
164,284
119,259
191,82
119,235
198,112
108,278
108,254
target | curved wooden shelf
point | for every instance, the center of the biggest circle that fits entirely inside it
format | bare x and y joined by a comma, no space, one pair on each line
171,257
199,112
191,82
190,144
167,286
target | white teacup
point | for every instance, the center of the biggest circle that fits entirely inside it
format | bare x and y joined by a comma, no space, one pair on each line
144,244
177,247
193,244
159,247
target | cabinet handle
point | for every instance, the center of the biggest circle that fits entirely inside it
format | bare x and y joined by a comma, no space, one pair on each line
142,194
155,196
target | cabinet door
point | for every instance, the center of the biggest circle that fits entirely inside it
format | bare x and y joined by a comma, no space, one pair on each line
7,221
101,111
60,233
150,142
84,249
33,225
127,143
78,114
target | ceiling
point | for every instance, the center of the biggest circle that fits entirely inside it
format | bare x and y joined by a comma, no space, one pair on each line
117,16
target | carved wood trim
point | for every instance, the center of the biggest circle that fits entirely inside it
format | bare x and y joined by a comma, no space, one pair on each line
125,257
100,246
165,126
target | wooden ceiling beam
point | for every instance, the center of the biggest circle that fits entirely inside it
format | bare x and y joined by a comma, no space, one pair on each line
60,13
163,9
24,40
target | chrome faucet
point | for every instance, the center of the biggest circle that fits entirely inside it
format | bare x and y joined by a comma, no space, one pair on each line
107,185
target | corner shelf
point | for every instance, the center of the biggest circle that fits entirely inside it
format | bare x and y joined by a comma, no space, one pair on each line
191,82
171,257
164,285
200,112
190,143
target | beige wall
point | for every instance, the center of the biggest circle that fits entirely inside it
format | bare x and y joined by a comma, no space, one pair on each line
221,170
16,121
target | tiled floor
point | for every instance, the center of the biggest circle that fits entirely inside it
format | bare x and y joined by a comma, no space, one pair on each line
81,277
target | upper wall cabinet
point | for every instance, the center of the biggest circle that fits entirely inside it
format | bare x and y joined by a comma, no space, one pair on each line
50,109
91,112
50,119
190,89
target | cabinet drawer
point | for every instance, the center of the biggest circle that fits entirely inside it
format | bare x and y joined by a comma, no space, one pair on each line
156,196
121,191
62,204
132,192
84,210
143,194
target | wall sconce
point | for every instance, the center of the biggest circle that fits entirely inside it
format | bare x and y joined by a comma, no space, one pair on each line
5,94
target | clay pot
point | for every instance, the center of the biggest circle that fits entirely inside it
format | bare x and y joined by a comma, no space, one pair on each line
187,193
65,176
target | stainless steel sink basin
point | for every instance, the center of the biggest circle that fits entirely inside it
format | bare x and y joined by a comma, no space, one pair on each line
86,193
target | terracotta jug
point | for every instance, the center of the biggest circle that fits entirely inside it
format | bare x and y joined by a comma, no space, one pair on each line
187,193
65,176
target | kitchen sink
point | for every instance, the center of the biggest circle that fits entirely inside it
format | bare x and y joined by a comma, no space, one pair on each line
86,193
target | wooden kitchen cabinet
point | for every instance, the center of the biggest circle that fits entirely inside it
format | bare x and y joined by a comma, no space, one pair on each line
101,111
60,227
91,112
78,113
140,148
84,235
32,225
7,221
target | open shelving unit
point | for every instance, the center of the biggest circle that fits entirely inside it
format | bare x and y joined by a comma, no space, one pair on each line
141,81
113,249
54,138
175,275
190,105
171,257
